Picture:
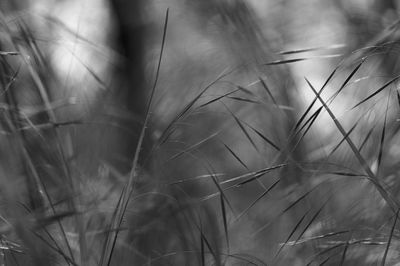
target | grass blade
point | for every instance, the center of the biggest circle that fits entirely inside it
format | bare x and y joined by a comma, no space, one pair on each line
390,238
241,126
346,81
258,199
311,221
342,260
193,147
303,116
290,61
312,49
291,233
126,194
377,91
392,202
218,98
366,138
284,211
264,85
270,142
235,156
382,142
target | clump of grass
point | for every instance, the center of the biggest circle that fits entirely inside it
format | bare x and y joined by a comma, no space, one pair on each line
270,204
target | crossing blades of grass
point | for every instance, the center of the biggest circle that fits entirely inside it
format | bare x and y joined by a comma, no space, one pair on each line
291,233
346,81
207,243
343,139
314,217
343,259
193,147
303,116
390,239
248,177
243,129
294,203
392,202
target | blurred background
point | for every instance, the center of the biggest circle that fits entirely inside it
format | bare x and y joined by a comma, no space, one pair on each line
271,132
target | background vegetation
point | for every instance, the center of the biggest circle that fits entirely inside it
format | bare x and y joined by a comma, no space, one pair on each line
215,132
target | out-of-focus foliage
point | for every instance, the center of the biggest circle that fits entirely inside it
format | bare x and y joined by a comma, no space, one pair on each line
215,133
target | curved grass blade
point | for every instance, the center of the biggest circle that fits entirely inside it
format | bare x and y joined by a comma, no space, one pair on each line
126,193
